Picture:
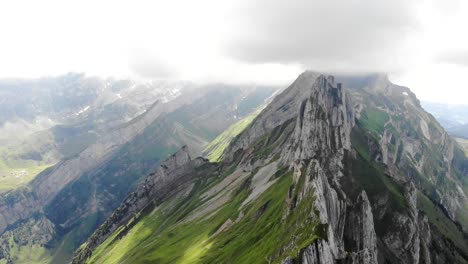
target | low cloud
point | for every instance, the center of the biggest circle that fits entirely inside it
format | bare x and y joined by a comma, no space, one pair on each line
459,57
147,65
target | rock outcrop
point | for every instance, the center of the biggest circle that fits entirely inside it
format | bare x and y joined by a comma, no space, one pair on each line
321,139
323,123
360,237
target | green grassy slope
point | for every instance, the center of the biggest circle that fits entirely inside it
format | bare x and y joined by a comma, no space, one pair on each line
163,236
18,172
374,120
263,230
216,148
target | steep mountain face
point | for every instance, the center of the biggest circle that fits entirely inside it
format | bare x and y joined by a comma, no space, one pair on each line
348,172
413,145
65,203
428,167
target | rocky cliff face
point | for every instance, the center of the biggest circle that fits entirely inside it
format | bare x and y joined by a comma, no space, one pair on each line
326,173
320,141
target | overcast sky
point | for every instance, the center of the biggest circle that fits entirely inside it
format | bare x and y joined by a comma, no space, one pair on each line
422,44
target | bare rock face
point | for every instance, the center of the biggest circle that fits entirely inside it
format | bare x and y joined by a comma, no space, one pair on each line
284,107
332,211
324,122
322,134
350,234
360,234
317,147
317,253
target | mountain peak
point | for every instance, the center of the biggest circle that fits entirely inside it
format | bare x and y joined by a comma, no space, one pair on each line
312,98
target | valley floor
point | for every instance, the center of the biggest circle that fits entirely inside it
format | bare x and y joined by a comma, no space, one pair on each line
16,173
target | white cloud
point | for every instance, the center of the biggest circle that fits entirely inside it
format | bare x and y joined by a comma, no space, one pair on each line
330,35
420,42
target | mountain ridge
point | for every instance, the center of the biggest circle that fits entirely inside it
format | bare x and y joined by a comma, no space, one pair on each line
333,145
355,188
83,253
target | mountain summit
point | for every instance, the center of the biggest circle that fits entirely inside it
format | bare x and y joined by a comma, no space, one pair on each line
336,169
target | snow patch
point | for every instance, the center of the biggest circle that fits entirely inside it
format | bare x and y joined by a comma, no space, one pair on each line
405,93
82,111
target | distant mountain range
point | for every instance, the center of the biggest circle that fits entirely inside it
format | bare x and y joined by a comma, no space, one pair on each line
85,142
454,118
43,121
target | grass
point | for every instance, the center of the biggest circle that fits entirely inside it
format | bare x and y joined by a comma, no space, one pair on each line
260,237
360,142
372,179
263,233
374,120
18,164
216,148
